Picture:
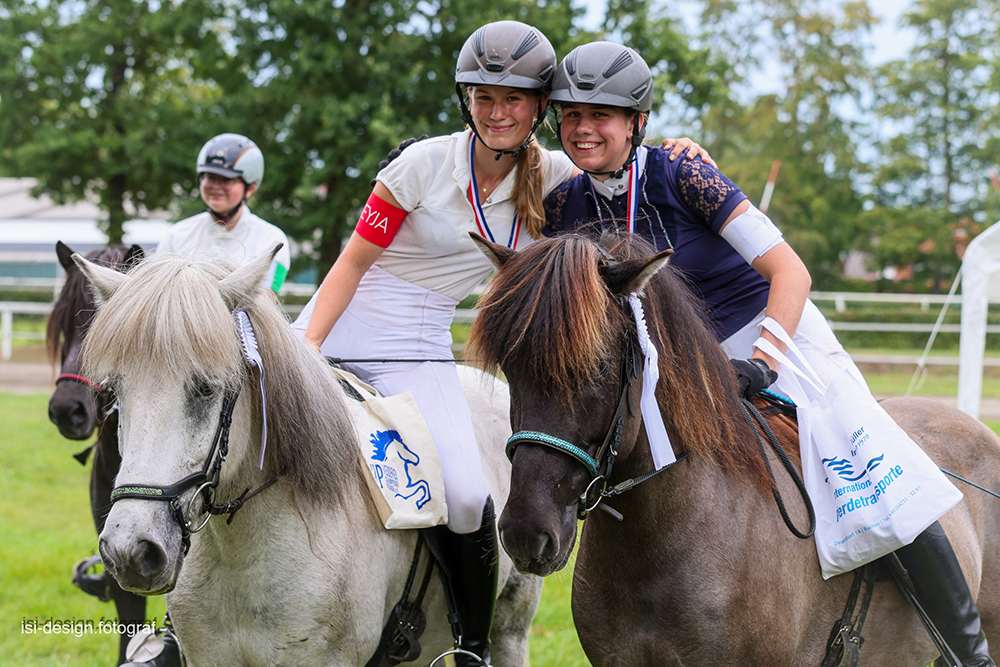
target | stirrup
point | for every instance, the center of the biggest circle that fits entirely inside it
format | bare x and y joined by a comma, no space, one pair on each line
483,662
93,583
155,648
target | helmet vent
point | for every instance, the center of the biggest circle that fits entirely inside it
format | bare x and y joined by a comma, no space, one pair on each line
477,41
570,63
620,63
494,67
585,85
546,73
528,42
639,92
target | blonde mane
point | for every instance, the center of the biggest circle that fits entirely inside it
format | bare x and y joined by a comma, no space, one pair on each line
170,320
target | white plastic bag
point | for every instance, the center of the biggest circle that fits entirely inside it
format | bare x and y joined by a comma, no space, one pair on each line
873,488
404,470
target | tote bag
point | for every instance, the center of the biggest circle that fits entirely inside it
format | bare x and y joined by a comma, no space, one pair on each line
873,488
399,455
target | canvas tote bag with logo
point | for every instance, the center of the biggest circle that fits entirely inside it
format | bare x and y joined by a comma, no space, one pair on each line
399,454
873,488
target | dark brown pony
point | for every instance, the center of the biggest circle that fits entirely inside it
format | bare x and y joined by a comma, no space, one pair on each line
78,407
700,570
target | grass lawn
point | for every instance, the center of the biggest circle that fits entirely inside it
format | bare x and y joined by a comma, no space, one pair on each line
46,526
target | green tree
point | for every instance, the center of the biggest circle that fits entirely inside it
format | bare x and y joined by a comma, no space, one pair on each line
105,99
806,125
330,87
935,104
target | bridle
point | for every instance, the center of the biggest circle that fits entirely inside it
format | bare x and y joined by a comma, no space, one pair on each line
206,480
600,465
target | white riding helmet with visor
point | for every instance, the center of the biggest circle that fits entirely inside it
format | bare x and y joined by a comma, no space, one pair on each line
231,156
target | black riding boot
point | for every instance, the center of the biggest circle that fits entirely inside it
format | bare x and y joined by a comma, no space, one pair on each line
942,591
471,561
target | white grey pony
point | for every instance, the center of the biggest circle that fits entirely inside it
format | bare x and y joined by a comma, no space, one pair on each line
305,574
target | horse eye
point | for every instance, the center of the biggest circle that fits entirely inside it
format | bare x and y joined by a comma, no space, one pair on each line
202,389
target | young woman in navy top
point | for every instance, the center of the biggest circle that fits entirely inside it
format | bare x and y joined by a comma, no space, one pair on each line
754,286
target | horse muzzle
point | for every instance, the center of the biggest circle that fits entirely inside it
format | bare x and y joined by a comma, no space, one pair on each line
141,562
535,548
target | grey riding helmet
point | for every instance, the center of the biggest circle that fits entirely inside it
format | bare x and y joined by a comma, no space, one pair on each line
232,156
606,74
505,53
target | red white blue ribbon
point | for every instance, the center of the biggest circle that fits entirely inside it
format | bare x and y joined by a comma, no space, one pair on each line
633,196
631,200
477,208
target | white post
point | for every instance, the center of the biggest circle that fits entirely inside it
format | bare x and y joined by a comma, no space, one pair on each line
6,333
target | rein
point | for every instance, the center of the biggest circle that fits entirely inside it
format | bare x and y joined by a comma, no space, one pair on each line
748,409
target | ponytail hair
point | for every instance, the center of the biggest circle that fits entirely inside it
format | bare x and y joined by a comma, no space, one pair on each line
528,189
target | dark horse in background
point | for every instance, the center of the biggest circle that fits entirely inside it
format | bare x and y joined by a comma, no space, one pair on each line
78,406
700,571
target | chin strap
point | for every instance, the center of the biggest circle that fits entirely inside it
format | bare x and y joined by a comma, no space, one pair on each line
224,218
467,117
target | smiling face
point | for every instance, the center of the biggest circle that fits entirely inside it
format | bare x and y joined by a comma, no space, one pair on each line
596,138
223,194
503,116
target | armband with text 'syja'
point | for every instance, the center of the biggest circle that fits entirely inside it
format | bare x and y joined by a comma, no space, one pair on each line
379,221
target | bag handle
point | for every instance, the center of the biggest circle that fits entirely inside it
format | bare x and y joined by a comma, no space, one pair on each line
767,347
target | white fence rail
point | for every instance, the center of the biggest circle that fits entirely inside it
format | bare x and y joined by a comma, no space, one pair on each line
10,308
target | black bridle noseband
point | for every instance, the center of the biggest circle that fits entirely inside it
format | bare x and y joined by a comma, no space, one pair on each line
206,480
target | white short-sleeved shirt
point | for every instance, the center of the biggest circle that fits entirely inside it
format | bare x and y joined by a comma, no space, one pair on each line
202,238
430,180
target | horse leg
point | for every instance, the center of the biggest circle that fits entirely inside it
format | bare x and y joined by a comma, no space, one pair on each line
944,594
131,608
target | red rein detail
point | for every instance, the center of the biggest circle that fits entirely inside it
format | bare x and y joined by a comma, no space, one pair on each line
82,380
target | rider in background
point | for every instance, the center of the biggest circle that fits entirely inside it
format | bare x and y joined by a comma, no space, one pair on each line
230,169
735,259
392,292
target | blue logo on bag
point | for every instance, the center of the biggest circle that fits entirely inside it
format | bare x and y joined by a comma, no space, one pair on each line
845,470
386,474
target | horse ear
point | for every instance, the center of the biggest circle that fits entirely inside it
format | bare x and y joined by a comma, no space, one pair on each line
632,275
133,256
496,253
104,280
244,280
65,255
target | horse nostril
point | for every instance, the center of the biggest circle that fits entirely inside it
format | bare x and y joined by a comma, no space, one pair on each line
147,559
78,415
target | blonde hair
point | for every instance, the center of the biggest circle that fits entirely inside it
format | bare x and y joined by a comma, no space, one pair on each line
529,188
529,182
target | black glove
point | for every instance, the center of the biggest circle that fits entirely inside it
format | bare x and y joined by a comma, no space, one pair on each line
394,153
753,375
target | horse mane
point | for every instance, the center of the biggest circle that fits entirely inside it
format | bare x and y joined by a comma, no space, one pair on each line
170,320
549,312
76,299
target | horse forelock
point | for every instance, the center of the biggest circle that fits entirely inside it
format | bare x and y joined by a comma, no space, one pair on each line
548,311
548,314
74,307
169,320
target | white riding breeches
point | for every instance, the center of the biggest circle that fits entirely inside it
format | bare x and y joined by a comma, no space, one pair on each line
389,318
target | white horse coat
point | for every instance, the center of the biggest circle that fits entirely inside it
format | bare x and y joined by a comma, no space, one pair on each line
305,574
